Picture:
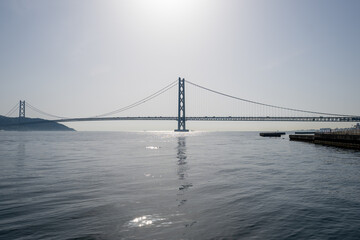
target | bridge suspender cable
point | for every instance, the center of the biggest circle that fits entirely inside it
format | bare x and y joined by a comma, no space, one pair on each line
267,105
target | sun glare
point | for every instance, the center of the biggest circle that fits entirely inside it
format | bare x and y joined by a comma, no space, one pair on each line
163,8
165,5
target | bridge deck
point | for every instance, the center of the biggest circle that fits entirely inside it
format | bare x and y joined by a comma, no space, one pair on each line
277,119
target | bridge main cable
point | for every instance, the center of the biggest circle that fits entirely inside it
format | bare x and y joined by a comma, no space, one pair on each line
144,100
268,105
8,114
42,112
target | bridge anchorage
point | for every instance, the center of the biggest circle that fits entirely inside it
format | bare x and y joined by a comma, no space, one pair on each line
181,119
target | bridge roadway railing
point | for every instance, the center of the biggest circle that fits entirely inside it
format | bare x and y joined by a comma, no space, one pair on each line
229,118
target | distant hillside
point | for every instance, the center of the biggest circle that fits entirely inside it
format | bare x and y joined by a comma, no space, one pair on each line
30,124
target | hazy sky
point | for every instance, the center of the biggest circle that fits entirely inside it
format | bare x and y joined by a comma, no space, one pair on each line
80,58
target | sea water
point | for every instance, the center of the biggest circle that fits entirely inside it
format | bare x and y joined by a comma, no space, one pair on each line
166,185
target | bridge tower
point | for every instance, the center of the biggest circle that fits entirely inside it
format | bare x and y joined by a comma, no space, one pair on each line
21,109
181,107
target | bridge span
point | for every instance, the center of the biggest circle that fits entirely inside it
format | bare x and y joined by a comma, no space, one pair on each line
181,117
229,118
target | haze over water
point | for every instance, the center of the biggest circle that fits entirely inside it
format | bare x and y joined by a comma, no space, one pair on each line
162,185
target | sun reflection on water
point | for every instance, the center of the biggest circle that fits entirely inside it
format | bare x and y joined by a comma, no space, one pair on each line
145,220
142,221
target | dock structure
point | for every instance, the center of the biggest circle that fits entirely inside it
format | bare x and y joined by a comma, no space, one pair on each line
345,139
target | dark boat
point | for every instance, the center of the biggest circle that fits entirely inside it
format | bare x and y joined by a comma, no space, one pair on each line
272,134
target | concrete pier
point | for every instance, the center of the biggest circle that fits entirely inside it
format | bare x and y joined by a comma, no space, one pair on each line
302,138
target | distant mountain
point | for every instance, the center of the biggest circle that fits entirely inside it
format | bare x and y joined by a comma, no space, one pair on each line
30,124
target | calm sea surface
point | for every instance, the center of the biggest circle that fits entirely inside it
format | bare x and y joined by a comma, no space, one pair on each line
162,185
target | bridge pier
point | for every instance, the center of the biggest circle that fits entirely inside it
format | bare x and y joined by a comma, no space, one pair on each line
181,107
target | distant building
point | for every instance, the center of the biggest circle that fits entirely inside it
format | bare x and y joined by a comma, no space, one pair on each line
325,129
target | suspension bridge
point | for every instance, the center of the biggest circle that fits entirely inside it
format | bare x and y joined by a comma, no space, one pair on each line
181,118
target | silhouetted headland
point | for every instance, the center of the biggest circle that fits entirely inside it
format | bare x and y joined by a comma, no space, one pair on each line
30,124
